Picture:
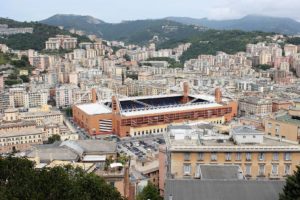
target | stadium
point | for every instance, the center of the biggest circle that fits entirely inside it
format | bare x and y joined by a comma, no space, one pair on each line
143,115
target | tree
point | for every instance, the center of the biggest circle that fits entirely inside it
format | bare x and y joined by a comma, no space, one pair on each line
69,112
149,192
19,180
25,78
291,190
127,57
53,139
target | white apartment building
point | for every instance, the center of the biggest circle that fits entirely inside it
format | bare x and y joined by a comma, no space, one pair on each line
19,97
61,41
64,95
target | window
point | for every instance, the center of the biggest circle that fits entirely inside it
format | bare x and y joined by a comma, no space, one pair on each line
248,169
186,156
200,156
248,156
287,156
261,156
275,156
287,169
238,156
261,170
269,125
187,169
277,129
227,156
275,169
198,170
213,156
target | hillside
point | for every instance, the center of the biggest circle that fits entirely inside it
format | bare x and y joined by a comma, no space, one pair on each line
211,41
247,23
37,39
138,31
169,33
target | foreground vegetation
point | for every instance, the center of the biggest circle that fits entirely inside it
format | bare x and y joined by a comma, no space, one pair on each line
291,190
149,192
19,180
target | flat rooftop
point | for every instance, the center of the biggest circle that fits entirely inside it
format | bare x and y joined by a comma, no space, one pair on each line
199,138
289,119
94,108
22,132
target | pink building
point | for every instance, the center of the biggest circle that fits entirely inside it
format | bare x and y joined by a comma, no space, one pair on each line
1,82
279,60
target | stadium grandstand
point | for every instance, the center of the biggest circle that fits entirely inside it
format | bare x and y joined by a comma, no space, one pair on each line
144,115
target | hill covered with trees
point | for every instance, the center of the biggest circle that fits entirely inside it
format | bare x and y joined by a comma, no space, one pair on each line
164,32
211,41
136,31
36,40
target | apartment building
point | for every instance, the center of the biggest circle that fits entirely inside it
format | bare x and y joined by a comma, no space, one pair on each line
254,106
4,30
265,58
20,140
290,49
20,97
16,134
64,95
4,100
259,156
285,125
61,41
42,117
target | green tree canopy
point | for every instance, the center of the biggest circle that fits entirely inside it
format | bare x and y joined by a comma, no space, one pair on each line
149,192
291,190
19,180
53,138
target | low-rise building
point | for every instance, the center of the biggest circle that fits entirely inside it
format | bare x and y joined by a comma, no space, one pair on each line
285,125
254,106
259,156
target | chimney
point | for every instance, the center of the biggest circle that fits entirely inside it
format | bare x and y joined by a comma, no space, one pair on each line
115,104
186,89
94,95
218,95
186,92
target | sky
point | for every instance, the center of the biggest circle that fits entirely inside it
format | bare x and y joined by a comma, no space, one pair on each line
117,10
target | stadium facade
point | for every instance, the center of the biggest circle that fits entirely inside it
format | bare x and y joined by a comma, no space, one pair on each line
137,116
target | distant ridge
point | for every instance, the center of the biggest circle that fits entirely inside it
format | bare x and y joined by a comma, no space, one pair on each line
138,31
248,23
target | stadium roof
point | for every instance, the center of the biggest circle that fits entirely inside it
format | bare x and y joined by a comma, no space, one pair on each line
171,109
94,108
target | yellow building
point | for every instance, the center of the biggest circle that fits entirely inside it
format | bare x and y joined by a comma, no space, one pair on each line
259,156
285,125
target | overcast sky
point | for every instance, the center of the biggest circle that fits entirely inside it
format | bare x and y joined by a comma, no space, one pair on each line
118,10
